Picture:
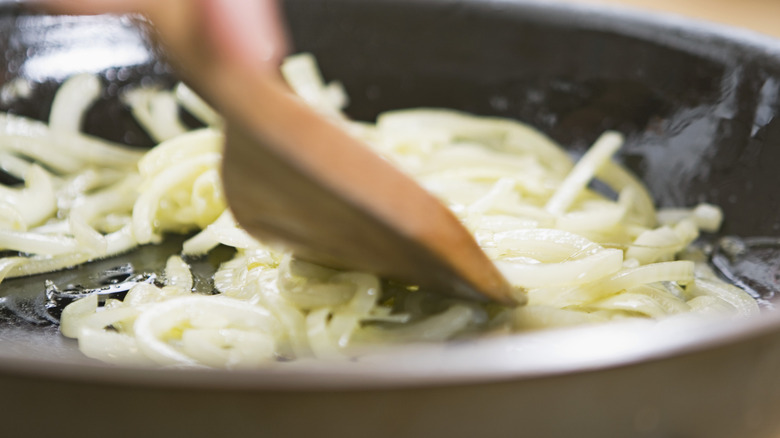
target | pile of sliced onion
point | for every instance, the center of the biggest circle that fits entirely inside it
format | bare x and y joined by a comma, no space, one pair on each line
580,256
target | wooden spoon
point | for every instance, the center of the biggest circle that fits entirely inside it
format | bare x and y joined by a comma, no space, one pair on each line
293,177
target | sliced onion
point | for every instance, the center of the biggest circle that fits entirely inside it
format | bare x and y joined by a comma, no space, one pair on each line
147,204
111,347
177,274
35,243
71,102
680,271
622,181
584,171
437,327
197,106
157,112
741,301
229,348
545,244
585,270
157,327
320,340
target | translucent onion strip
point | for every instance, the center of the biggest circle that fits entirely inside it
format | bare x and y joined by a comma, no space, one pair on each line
707,217
147,204
157,112
680,271
177,274
13,165
197,106
71,102
620,179
545,245
117,243
39,186
434,328
743,303
34,139
584,171
37,243
159,326
584,270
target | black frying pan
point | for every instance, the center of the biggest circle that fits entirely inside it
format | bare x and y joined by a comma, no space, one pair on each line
699,106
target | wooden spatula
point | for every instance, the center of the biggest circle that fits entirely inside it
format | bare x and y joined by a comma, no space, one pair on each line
292,177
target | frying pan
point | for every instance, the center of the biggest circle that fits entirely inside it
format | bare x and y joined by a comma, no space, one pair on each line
698,104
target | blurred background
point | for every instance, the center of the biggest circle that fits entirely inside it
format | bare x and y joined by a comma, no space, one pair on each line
760,15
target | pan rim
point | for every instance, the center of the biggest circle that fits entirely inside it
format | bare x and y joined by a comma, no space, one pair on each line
404,367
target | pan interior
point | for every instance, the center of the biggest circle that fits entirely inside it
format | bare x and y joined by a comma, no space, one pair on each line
698,105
